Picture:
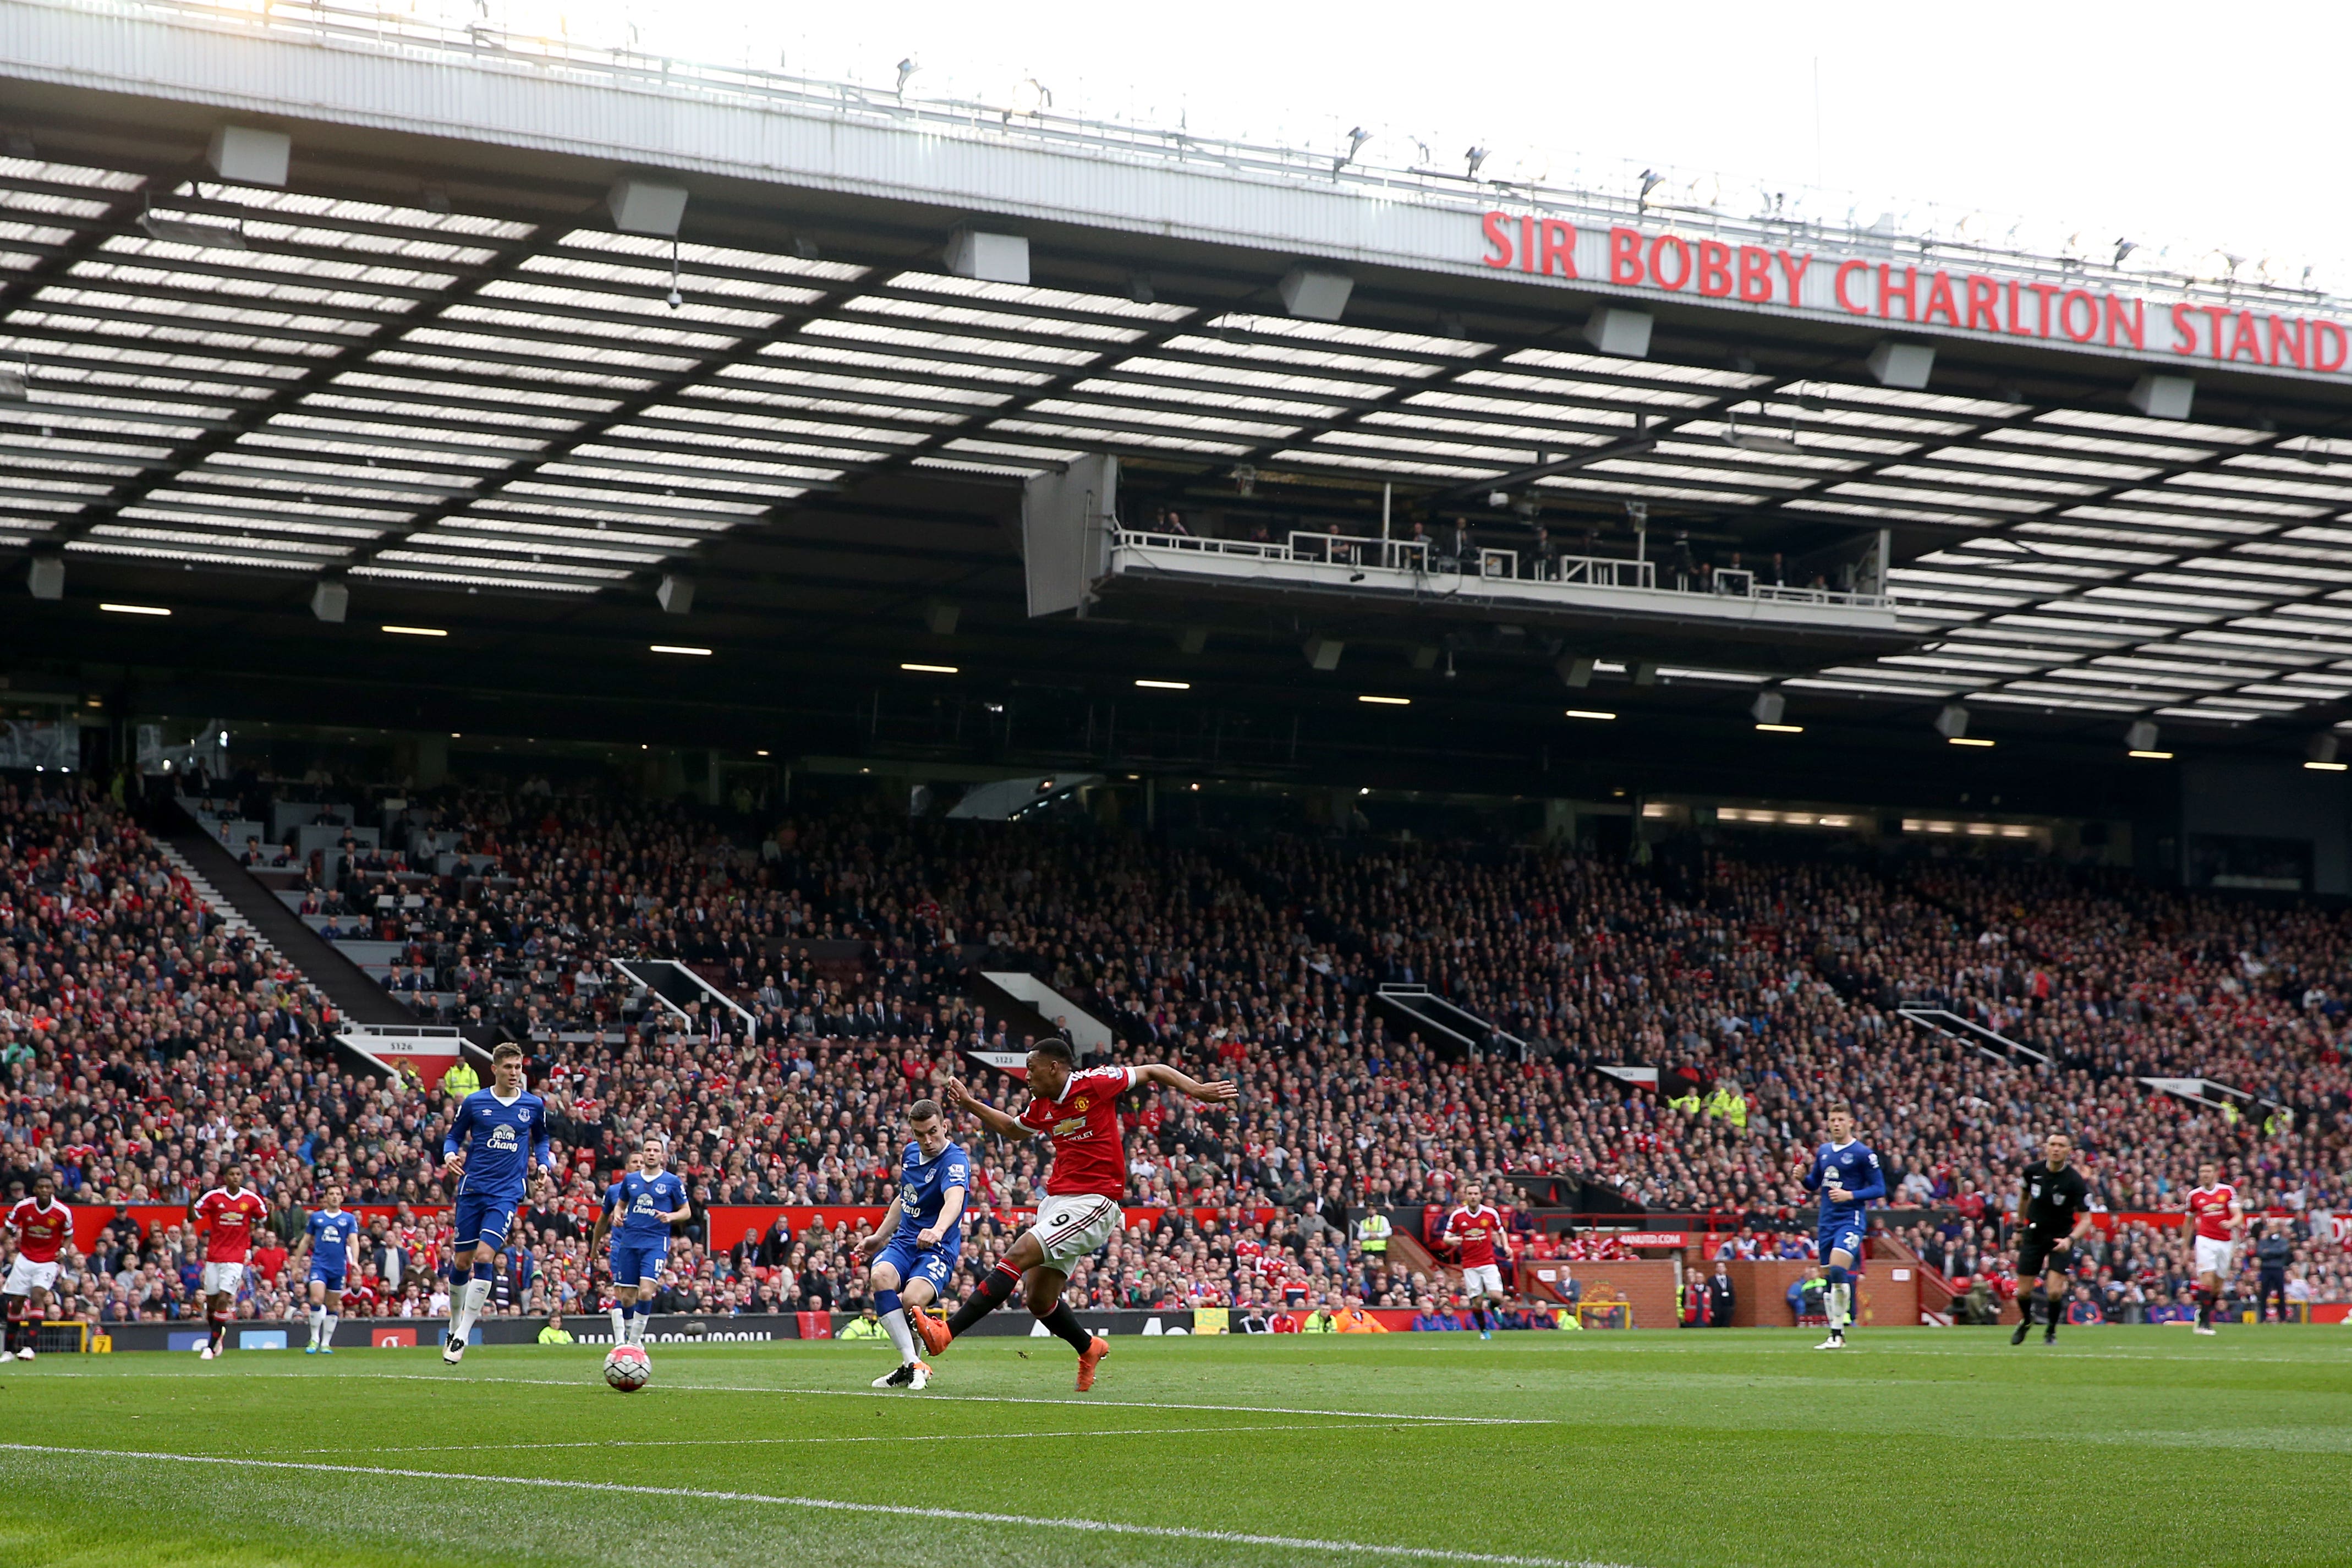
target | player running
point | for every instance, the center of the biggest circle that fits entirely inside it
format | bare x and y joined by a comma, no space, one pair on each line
2211,1229
648,1201
40,1226
1847,1174
2052,1217
920,1238
327,1242
232,1211
1079,1110
1476,1231
497,1151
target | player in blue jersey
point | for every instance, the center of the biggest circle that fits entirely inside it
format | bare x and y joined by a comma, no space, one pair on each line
920,1236
497,1152
1847,1174
327,1247
640,1209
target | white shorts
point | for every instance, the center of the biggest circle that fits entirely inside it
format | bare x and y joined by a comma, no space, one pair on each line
1486,1280
223,1279
2213,1255
25,1276
1071,1228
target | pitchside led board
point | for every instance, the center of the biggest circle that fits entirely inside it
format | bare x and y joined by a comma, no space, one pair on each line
2083,313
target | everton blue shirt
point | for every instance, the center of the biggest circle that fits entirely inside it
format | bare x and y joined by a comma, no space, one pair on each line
502,1140
330,1232
923,1186
637,1202
1853,1166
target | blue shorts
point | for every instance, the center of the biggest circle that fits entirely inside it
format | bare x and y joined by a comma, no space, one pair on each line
332,1279
638,1262
481,1218
935,1266
1842,1235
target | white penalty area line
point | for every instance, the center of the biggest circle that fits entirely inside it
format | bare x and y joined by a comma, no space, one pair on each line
909,1437
829,1505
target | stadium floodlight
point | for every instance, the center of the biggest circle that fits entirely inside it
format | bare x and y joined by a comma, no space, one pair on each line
1767,709
47,577
1575,671
1357,137
675,593
248,155
16,384
1650,181
1475,160
1952,722
330,601
907,68
2320,753
2124,247
1754,440
2139,741
181,231
1323,653
652,207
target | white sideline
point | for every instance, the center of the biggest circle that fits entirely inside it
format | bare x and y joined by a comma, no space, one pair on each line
830,1505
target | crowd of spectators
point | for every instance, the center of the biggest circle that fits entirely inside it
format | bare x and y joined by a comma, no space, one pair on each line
141,1047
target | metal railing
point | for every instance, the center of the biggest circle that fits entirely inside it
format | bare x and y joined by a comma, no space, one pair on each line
1420,559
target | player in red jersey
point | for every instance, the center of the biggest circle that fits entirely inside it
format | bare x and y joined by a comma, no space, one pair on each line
1079,1110
1476,1232
2210,1230
232,1212
40,1226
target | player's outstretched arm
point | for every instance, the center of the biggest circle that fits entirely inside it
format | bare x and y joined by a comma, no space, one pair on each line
869,1245
995,1120
1218,1092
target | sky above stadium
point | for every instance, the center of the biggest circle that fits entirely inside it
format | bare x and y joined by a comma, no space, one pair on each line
2101,121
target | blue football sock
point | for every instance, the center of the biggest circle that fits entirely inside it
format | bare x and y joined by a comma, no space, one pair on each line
885,1302
485,1272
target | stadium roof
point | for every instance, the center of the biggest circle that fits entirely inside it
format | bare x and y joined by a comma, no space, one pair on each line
430,362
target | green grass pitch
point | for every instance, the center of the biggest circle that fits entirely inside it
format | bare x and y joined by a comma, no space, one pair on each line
1654,1449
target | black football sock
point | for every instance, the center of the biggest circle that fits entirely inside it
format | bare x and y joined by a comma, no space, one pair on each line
995,1289
1064,1323
219,1328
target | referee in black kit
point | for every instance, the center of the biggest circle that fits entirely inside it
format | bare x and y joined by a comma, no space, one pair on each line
2052,1213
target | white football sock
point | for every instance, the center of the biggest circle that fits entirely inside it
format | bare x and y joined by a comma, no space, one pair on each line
327,1340
318,1319
901,1334
637,1326
477,1292
616,1326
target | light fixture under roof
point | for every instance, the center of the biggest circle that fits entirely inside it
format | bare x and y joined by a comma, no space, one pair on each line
1164,685
417,631
1386,702
930,668
1968,741
1589,713
1782,729
134,609
681,647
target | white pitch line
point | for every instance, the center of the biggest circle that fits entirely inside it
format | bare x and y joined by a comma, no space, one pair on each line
455,1378
912,1438
832,1505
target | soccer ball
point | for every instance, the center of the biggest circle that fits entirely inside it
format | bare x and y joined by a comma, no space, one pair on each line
627,1368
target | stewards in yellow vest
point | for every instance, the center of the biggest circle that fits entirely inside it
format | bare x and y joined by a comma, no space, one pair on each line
460,1080
1372,1234
1688,1103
